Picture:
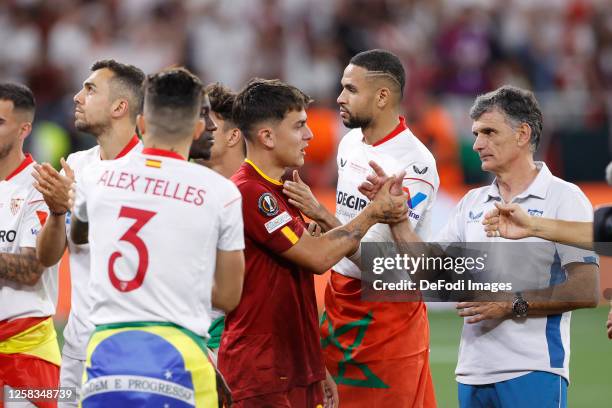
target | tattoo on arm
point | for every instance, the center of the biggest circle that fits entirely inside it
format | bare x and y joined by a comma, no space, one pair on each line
354,234
22,268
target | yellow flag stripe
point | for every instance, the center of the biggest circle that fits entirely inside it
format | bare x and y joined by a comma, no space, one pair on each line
39,340
153,163
288,232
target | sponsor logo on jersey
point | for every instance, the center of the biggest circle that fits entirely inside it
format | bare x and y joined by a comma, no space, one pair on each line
267,204
7,236
413,215
420,171
350,201
535,213
413,202
42,217
16,205
474,217
277,222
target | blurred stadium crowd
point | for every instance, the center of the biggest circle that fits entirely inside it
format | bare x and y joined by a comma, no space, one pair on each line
452,50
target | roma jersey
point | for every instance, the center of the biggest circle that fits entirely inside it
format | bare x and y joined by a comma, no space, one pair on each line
271,340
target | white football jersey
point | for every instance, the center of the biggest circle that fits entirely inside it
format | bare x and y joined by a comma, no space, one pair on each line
22,214
501,349
155,224
79,327
400,150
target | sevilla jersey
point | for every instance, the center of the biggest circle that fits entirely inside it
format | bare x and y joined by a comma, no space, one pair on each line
155,224
400,150
79,328
22,215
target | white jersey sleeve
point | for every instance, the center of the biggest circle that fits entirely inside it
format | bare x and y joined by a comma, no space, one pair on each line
231,230
34,217
80,198
421,183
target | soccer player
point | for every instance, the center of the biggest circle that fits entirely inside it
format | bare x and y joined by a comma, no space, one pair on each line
516,352
380,369
224,155
270,351
166,242
227,151
106,107
29,353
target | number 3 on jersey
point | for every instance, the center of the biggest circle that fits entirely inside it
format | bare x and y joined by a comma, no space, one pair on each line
142,217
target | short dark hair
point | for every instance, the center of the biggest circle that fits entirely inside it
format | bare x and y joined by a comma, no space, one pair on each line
21,96
518,105
221,100
266,99
172,101
127,82
384,62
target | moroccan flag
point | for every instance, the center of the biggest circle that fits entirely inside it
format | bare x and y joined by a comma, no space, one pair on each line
377,352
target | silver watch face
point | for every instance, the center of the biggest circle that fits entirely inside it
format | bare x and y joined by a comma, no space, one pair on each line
520,307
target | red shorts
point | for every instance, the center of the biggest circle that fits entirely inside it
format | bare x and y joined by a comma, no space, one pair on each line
297,397
23,371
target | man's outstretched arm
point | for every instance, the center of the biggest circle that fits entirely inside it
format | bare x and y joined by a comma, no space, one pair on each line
512,222
321,253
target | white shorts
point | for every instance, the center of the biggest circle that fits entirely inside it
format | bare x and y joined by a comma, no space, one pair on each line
71,375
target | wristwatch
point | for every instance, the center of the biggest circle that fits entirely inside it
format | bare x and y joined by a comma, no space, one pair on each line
520,307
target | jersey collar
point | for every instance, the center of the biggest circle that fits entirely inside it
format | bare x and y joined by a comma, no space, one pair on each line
162,152
128,147
398,129
262,174
25,163
538,187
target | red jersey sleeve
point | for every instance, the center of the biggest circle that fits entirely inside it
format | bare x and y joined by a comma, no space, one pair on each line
268,218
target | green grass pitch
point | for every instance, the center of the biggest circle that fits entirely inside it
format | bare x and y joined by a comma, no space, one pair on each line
590,358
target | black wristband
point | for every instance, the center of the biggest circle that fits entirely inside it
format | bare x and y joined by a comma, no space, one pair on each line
57,214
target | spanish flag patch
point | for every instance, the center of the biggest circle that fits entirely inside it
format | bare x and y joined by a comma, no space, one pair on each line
153,163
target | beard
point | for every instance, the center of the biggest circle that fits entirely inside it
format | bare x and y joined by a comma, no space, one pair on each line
201,148
6,149
199,154
354,122
95,129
